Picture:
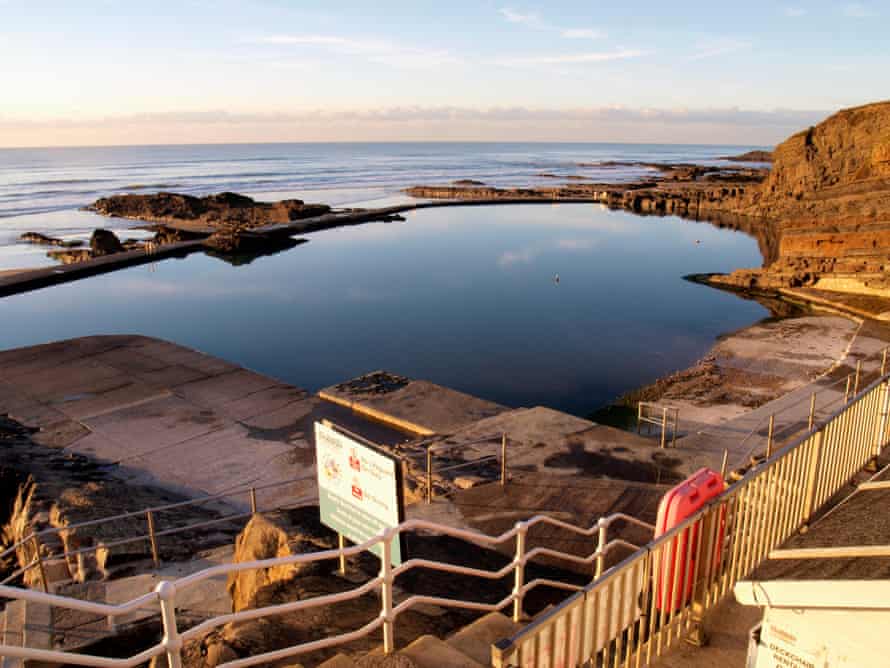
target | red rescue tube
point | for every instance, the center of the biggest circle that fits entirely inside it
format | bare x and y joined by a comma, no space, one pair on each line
678,570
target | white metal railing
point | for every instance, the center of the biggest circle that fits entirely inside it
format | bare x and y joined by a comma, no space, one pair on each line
35,544
165,594
501,458
636,610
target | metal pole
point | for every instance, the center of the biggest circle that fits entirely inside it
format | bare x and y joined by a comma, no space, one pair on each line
813,476
884,362
858,374
725,463
503,459
40,568
386,591
812,419
882,425
253,500
847,390
172,641
664,420
341,543
519,571
152,539
602,538
429,475
676,428
769,437
639,416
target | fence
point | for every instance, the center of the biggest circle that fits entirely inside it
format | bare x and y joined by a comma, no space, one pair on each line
664,417
474,462
36,543
637,609
166,592
629,614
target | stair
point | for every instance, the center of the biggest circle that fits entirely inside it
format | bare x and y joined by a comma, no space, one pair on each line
475,640
468,648
26,625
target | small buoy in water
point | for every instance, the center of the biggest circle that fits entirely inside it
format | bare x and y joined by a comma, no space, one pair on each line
556,278
698,241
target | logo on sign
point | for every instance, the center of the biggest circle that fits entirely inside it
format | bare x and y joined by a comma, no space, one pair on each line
356,490
354,462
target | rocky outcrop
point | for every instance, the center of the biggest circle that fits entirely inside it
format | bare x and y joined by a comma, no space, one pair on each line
43,240
828,195
751,156
104,242
203,213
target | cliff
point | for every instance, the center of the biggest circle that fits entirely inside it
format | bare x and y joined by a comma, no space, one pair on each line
828,195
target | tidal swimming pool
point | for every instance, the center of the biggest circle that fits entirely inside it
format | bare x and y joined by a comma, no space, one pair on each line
465,297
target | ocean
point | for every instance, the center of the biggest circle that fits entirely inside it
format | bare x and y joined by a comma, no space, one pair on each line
464,297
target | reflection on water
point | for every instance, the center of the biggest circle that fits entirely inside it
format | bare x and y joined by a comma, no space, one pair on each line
464,297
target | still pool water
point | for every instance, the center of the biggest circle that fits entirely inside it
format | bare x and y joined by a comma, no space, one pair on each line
464,297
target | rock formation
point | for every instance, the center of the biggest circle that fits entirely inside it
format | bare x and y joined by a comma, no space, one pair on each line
206,213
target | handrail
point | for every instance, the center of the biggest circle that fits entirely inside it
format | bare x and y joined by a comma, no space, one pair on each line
436,447
632,612
165,593
151,535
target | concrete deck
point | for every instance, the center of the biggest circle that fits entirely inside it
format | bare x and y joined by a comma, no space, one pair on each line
163,414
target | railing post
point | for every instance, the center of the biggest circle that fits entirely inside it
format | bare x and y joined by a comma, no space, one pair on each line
602,540
152,539
769,436
253,501
882,423
664,422
519,570
40,568
725,463
429,476
812,419
503,459
858,374
386,591
847,390
884,362
172,641
813,475
341,543
639,417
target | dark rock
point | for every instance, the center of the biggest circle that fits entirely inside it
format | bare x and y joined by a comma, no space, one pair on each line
37,238
104,242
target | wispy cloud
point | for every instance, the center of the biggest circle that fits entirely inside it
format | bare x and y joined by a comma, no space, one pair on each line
583,33
856,10
719,47
794,12
524,18
529,254
533,20
376,50
569,58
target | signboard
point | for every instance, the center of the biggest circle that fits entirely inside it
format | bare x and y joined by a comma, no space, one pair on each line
780,648
359,488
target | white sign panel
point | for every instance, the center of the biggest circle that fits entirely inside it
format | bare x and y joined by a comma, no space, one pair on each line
780,648
359,488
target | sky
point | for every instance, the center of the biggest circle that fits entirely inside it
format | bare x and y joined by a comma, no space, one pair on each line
195,71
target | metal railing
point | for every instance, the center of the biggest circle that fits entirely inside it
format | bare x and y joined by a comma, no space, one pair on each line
36,544
165,595
636,610
440,447
664,417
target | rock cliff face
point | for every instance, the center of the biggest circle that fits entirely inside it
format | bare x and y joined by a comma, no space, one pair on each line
206,213
828,196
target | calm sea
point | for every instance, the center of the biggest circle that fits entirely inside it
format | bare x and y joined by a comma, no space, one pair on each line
464,297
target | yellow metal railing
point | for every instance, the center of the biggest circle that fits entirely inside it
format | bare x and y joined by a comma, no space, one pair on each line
637,609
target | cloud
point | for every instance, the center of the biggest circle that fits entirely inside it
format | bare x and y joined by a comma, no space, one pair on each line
583,33
531,253
525,256
530,19
856,10
376,50
569,58
719,47
794,12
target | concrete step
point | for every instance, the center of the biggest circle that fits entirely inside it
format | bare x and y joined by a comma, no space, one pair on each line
13,631
430,652
338,661
475,640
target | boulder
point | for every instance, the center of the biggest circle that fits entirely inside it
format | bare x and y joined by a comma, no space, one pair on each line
105,242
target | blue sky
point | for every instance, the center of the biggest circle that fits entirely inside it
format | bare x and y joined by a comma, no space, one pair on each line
127,72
